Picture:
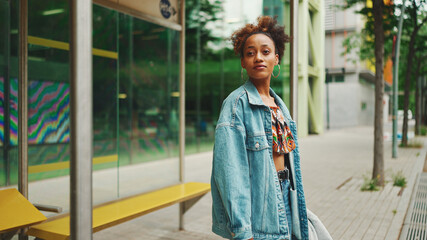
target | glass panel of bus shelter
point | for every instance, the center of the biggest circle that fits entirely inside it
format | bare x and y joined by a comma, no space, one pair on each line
205,77
8,112
149,106
281,10
105,104
49,104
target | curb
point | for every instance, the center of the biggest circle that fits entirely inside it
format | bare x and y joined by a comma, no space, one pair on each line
396,226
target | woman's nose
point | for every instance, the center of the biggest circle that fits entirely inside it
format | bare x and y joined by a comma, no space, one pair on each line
258,57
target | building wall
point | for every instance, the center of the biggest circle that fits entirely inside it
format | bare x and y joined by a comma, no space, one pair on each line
367,104
351,103
343,104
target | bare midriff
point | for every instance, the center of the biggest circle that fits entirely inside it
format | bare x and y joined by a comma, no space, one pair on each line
279,161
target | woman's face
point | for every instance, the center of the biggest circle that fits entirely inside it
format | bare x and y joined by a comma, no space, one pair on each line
259,57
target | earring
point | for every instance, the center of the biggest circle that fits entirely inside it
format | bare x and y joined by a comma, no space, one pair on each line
272,74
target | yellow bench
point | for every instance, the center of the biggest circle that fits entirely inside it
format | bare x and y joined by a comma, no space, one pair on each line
122,210
16,212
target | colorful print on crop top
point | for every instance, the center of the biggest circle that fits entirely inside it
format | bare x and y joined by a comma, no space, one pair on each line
283,142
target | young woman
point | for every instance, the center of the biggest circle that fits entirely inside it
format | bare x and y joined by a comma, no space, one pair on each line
256,181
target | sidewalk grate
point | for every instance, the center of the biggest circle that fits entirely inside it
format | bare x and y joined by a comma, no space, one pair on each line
417,229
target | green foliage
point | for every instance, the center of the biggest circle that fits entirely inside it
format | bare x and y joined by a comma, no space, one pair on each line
413,13
414,143
364,42
423,130
198,14
399,179
369,184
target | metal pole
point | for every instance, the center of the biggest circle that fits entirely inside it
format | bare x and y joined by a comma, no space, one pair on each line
23,104
118,102
294,60
327,100
23,100
130,93
198,59
221,83
395,80
423,103
182,107
81,119
6,89
169,90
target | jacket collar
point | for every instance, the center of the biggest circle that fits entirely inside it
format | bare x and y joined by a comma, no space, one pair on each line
255,99
253,94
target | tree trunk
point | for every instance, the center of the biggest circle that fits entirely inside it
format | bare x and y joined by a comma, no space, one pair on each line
410,56
378,171
424,105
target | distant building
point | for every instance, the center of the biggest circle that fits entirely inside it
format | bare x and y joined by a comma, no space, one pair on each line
350,85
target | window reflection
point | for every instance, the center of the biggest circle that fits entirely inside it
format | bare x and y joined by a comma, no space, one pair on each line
149,101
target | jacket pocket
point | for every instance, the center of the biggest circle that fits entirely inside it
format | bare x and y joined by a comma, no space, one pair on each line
256,143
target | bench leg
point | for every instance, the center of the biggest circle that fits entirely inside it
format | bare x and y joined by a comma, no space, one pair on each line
181,215
22,235
184,207
8,235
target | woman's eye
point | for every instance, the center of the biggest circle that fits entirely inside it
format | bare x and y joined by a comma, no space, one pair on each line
250,53
266,51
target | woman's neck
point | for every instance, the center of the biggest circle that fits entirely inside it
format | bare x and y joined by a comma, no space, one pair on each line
263,88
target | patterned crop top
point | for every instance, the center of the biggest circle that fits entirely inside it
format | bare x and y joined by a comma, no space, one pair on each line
283,141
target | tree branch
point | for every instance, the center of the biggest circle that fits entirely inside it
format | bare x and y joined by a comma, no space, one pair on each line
421,58
420,48
424,21
414,13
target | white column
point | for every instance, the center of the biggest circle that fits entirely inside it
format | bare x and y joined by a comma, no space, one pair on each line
81,139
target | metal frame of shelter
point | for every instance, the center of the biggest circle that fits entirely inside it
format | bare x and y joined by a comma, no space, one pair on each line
81,96
311,67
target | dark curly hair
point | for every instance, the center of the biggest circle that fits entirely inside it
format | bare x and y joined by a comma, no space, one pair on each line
266,25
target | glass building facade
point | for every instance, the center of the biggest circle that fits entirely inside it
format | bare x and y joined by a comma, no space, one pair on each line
135,93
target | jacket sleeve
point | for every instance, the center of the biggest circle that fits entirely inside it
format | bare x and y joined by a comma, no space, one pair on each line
230,174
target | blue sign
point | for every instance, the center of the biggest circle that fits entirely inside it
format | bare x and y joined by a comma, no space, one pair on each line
166,9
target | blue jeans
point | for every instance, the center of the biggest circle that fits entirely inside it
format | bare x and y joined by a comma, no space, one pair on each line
285,184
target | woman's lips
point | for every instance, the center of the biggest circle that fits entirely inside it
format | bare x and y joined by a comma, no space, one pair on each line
258,67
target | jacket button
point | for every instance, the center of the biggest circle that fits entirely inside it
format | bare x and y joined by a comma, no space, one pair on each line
257,145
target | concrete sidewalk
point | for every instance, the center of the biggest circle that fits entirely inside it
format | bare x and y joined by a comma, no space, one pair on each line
333,165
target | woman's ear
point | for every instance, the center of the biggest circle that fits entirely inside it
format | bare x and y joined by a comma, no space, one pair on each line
241,63
277,59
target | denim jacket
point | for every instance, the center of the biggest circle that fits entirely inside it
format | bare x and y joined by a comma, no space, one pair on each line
247,200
